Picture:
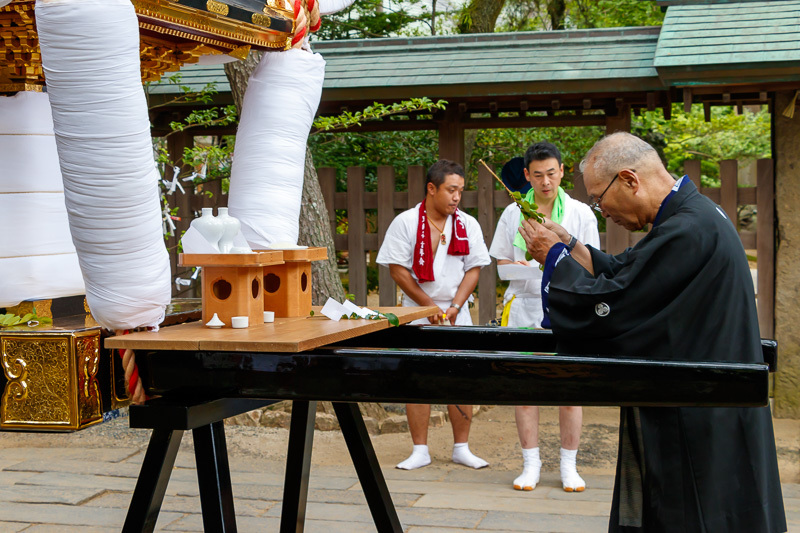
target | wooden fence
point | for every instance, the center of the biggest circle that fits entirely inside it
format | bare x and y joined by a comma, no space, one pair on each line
388,201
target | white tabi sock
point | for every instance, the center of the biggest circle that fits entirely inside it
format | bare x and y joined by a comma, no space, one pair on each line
463,456
570,479
419,457
531,467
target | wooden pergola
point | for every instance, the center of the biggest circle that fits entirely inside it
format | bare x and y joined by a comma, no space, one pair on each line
709,52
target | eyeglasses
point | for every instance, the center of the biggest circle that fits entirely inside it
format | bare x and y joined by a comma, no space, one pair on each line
596,204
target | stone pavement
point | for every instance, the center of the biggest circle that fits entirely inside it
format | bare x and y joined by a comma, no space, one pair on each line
87,490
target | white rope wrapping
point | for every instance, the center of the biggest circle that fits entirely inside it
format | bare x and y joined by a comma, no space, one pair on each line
267,173
90,55
37,257
327,7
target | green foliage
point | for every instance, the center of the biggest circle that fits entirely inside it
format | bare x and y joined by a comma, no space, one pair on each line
378,111
498,146
373,18
614,13
199,117
212,116
205,161
213,158
398,149
533,15
529,210
745,137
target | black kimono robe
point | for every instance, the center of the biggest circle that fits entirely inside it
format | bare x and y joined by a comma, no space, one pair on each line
684,292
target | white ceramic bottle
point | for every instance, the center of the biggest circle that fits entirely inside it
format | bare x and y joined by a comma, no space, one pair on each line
230,229
209,227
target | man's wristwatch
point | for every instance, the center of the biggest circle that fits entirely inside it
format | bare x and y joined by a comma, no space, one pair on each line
572,242
456,306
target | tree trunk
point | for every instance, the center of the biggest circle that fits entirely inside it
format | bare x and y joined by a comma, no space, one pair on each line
314,226
480,16
315,230
557,11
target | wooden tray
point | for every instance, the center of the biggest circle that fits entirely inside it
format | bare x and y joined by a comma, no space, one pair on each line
289,335
263,258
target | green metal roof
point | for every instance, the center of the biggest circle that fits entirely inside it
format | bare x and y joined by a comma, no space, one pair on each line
196,77
730,42
613,59
714,42
466,65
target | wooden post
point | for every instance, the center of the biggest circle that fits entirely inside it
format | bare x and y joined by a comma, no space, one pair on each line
487,283
416,185
691,168
617,237
728,192
765,245
451,137
327,182
387,288
786,152
579,191
356,227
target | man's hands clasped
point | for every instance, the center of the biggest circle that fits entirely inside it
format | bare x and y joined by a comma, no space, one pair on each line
540,237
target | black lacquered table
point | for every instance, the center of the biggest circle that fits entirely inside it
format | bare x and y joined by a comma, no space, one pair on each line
409,364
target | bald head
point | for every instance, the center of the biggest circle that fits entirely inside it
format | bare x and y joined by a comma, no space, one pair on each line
621,150
625,177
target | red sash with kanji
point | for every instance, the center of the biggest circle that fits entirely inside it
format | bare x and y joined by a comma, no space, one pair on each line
423,251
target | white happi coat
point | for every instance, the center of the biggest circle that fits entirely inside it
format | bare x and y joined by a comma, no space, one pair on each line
448,270
526,309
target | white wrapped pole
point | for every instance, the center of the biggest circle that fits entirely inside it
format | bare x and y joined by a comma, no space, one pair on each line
328,7
268,162
37,257
90,55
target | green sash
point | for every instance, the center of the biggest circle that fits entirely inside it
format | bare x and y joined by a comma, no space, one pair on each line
557,215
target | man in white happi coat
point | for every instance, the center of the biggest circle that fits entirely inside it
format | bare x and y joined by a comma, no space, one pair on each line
434,253
522,303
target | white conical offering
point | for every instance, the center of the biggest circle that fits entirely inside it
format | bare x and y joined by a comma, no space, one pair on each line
215,322
209,226
230,227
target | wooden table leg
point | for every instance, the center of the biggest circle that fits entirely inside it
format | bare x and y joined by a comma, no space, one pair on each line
298,466
214,478
367,467
153,479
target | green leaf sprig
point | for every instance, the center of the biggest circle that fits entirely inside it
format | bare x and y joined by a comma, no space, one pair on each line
30,319
529,210
391,317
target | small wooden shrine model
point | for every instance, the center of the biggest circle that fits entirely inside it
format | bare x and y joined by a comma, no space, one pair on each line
249,284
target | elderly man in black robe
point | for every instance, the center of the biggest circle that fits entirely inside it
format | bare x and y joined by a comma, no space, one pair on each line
684,292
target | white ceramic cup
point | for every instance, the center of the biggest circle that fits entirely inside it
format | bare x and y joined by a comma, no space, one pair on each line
269,316
239,322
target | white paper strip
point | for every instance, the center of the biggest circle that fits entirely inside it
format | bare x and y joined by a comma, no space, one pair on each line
333,310
512,272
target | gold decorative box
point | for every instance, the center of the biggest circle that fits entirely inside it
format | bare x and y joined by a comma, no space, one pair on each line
53,375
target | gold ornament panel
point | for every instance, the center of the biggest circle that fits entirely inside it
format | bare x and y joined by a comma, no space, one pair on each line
52,380
87,350
38,373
